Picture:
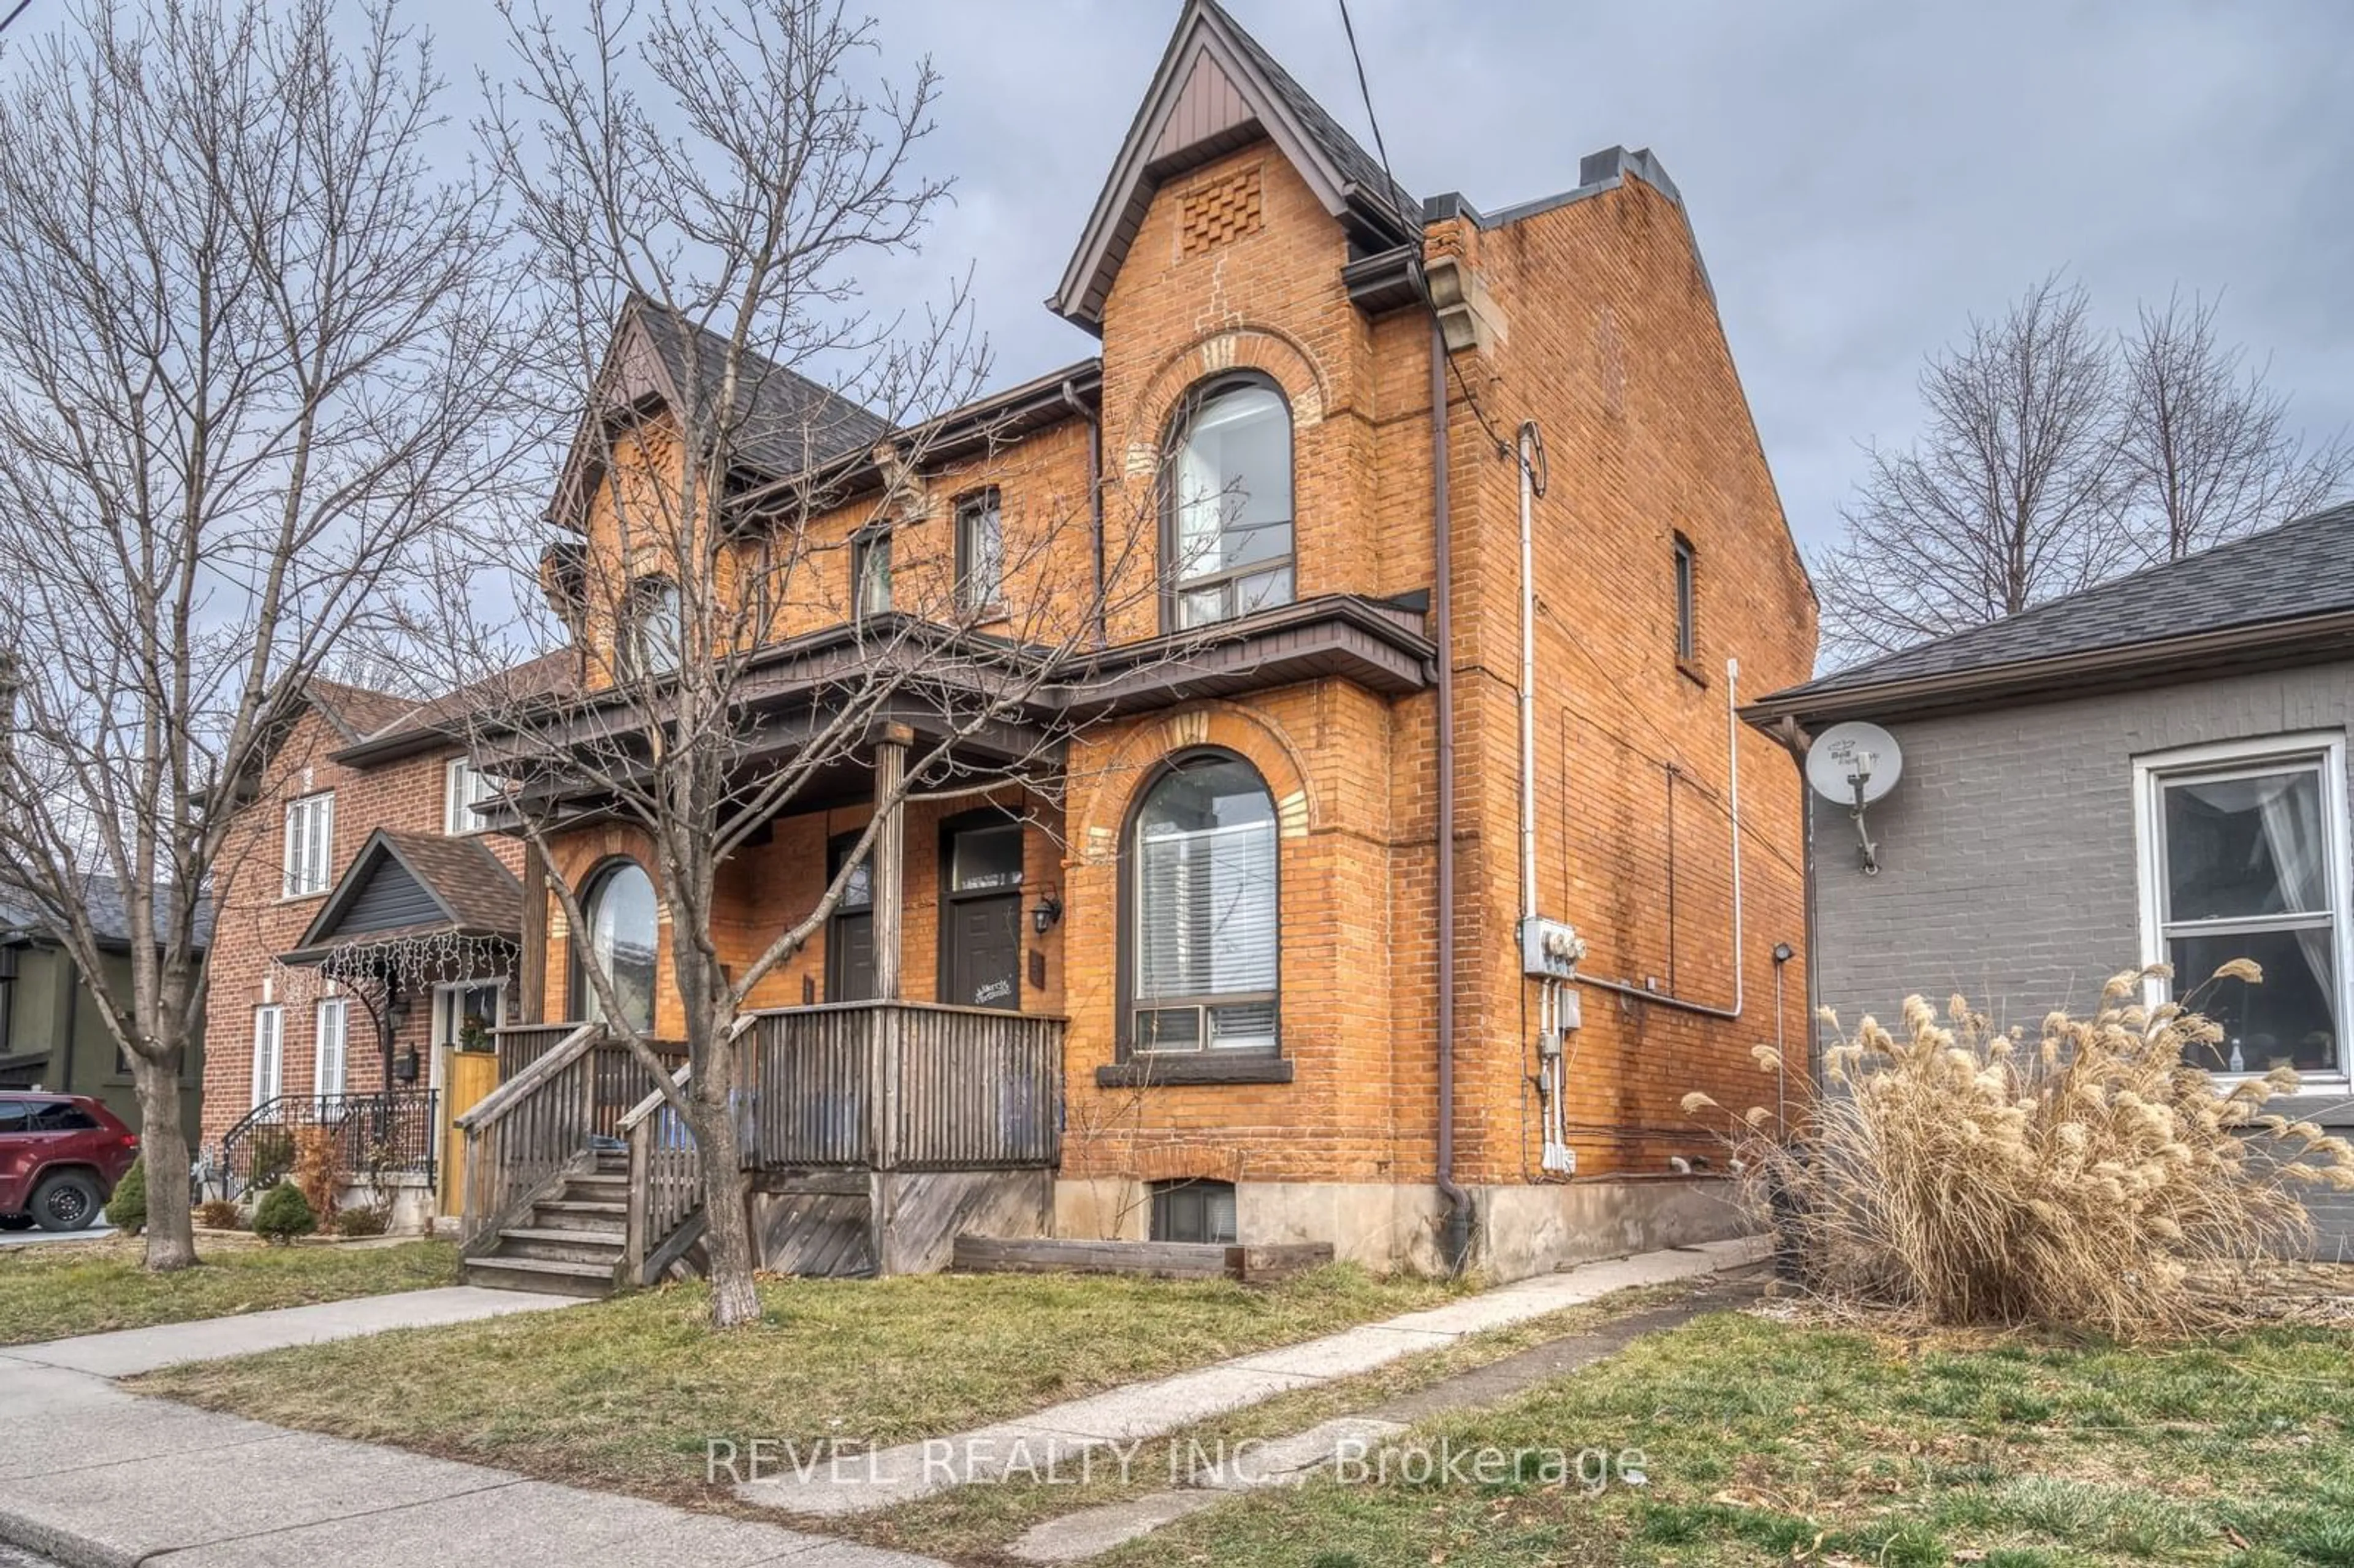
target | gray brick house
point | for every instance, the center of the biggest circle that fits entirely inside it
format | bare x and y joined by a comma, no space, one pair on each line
2155,768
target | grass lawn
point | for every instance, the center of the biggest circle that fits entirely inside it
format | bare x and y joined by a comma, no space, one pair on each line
1764,1442
90,1287
623,1393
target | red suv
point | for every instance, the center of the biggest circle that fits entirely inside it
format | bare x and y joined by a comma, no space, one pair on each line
60,1156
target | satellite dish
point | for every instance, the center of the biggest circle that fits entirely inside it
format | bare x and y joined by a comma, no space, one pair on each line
1847,754
1853,765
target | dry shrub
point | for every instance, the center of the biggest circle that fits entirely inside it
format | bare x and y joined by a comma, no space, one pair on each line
319,1171
2091,1178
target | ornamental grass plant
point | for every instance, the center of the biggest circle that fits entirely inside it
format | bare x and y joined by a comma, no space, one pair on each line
2086,1176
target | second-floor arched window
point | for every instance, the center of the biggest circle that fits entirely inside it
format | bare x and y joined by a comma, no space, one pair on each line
1227,533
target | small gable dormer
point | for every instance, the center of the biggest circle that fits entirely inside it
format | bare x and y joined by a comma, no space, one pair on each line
1215,90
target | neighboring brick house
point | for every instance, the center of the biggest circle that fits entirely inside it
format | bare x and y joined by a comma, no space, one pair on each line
2152,770
1258,287
366,927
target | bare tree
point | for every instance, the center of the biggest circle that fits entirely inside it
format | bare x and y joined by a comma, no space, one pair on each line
244,373
2007,497
2054,458
2208,452
754,461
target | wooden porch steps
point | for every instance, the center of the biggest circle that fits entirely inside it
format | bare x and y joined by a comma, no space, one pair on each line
570,1244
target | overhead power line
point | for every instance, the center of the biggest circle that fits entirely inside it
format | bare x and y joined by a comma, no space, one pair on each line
1412,220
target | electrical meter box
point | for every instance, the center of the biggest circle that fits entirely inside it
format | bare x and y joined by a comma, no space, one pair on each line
1550,949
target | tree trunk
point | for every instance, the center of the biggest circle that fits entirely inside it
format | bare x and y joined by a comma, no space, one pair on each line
728,1229
163,1144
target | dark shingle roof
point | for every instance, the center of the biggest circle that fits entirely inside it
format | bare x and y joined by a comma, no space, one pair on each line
355,710
475,891
415,727
788,422
2300,569
1358,166
480,892
21,911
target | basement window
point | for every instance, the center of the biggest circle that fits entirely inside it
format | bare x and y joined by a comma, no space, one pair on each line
1194,1212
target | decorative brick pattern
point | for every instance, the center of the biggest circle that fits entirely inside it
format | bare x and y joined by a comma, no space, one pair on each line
1219,210
1616,350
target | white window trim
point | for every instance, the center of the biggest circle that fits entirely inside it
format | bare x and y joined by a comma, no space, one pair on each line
274,1016
342,1009
2150,772
459,818
318,807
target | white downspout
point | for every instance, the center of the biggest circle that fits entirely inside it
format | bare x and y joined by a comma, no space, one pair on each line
1529,438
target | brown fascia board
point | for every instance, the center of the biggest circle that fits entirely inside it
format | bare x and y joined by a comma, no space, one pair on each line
1034,405
2233,649
1382,646
1135,176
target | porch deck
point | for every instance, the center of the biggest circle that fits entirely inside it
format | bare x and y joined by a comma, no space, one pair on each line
872,1128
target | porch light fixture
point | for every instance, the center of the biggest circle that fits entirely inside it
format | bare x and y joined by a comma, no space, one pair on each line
1048,911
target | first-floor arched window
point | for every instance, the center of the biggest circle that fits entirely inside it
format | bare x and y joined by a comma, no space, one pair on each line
1202,923
622,934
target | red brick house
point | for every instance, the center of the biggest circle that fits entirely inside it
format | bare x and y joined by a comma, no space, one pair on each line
1451,751
368,930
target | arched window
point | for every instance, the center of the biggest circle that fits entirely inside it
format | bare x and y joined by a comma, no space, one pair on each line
621,938
1204,930
1227,536
651,628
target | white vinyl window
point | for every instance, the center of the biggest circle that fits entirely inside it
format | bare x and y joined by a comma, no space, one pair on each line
464,787
1229,539
981,553
870,570
268,1053
334,1038
1205,927
2242,854
310,844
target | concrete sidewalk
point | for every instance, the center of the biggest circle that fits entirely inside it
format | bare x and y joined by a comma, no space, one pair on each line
1064,1436
129,1351
102,1478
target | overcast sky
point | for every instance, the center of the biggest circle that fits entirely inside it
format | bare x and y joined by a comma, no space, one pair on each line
1862,175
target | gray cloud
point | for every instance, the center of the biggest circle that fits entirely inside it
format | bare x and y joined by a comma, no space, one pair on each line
1862,176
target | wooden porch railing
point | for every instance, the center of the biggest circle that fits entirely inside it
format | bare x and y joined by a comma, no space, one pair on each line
520,1044
880,1086
553,1113
904,1085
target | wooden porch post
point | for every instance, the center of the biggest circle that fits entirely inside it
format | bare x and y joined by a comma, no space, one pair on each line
890,855
890,884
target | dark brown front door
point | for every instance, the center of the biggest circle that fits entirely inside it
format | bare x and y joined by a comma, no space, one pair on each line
850,934
980,958
985,952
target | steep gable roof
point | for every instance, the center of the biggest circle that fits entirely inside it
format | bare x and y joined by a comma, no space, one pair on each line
2285,577
1215,90
782,424
404,884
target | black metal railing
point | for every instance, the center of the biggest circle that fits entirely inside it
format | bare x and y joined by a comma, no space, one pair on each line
379,1134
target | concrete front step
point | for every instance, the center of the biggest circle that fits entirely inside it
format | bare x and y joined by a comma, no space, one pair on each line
549,1276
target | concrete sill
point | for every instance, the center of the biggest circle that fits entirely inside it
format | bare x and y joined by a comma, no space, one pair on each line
1157,1073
